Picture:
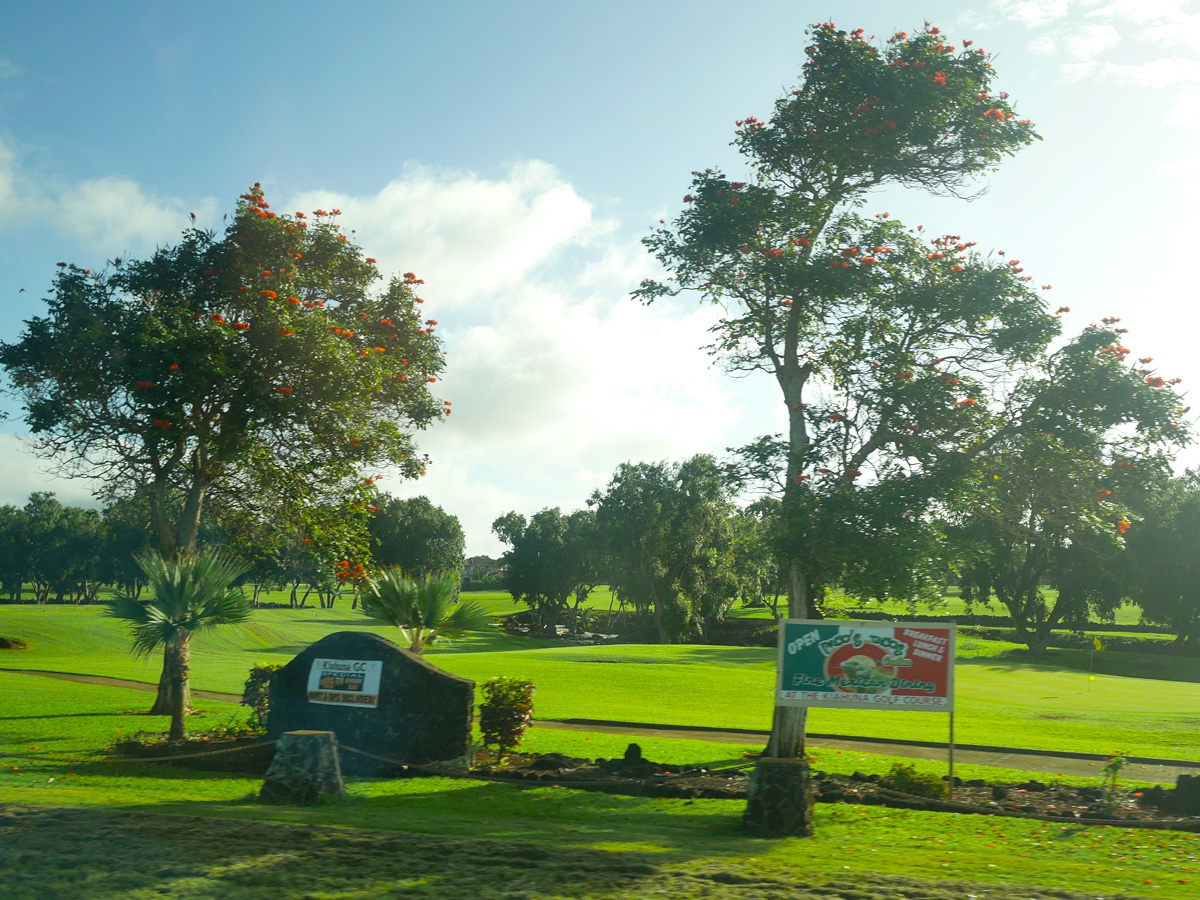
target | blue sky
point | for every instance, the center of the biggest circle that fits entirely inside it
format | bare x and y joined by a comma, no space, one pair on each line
514,154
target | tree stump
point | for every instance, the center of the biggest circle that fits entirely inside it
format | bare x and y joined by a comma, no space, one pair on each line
779,799
305,769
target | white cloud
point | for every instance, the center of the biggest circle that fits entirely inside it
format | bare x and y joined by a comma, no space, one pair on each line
553,393
1033,13
115,215
1158,73
1073,72
1080,44
467,236
9,69
1186,113
110,216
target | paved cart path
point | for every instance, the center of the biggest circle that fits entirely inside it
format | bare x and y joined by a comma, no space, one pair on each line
1043,761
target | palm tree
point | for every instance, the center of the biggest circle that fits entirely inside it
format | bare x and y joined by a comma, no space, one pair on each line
191,592
424,609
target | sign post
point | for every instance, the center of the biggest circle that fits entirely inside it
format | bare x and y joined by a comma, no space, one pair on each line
868,665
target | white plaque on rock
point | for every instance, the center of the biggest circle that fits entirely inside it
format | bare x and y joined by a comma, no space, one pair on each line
344,682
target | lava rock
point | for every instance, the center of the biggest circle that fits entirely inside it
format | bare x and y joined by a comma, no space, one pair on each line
549,761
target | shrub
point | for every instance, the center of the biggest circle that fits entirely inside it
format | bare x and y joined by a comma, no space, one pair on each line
908,780
505,713
256,695
1110,775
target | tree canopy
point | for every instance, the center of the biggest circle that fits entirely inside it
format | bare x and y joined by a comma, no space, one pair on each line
1056,490
230,366
551,557
1165,547
666,531
415,535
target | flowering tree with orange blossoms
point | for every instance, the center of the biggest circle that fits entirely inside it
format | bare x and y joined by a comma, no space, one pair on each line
261,348
886,343
1055,496
227,362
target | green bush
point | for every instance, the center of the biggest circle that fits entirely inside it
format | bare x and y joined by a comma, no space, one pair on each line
908,780
256,695
505,712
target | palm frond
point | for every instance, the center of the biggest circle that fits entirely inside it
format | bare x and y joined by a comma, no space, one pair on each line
428,604
189,593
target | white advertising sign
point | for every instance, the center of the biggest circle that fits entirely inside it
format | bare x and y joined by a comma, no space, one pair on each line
345,682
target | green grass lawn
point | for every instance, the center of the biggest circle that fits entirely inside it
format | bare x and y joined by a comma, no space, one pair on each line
91,827
1001,699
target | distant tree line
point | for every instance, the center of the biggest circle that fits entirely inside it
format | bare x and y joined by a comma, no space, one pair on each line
679,553
51,553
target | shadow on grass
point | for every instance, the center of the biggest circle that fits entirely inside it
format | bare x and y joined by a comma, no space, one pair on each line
219,849
1123,664
74,715
671,655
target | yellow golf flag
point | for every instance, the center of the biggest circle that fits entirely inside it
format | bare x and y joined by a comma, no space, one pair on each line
1096,643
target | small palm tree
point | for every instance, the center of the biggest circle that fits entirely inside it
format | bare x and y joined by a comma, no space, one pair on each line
191,592
424,609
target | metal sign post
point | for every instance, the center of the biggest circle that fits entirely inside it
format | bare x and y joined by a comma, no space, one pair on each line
951,754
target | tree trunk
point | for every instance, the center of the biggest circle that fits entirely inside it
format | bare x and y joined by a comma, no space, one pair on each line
164,700
1038,640
787,729
189,516
179,689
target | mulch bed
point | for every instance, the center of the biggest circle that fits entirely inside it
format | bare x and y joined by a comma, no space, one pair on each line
633,775
1153,808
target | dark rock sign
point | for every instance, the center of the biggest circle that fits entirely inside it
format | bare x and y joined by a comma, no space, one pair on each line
376,697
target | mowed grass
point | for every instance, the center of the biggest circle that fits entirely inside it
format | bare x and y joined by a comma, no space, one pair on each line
87,826
52,729
442,839
1000,700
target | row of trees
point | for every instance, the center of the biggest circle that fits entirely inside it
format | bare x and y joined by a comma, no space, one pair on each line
66,553
670,541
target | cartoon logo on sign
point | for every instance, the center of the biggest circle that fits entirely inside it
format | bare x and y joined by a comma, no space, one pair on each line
863,663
